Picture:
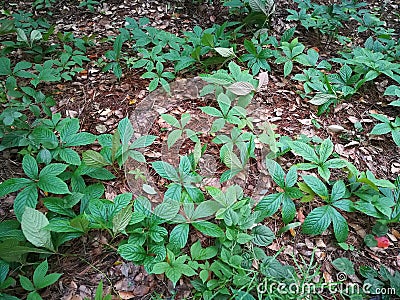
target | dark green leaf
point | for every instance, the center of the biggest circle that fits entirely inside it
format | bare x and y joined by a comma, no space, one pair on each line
263,236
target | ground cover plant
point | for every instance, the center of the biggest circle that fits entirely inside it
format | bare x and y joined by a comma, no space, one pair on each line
276,177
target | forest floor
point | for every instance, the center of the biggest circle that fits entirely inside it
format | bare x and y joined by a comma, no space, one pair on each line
100,101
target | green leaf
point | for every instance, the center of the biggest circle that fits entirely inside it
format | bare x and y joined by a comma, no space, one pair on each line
12,185
26,283
380,117
217,125
143,141
288,227
325,150
33,224
44,136
287,68
338,190
316,185
171,120
381,128
132,252
179,235
318,220
30,166
370,241
270,204
276,172
28,197
345,265
121,219
205,209
322,98
167,210
208,228
94,159
173,137
5,66
165,170
199,253
212,111
263,236
40,273
306,151
136,155
340,227
69,156
125,130
52,184
396,137
53,169
79,139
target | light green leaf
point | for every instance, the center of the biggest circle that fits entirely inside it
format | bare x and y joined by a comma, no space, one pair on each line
381,128
125,130
94,159
225,52
165,170
206,209
287,68
173,137
121,219
167,210
32,224
26,283
79,139
143,141
148,189
276,172
212,111
171,120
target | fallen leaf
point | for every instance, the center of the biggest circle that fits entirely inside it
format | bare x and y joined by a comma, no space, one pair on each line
396,233
383,241
126,295
336,128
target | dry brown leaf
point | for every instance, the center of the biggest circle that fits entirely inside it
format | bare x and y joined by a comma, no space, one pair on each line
396,233
359,230
300,216
126,295
327,277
